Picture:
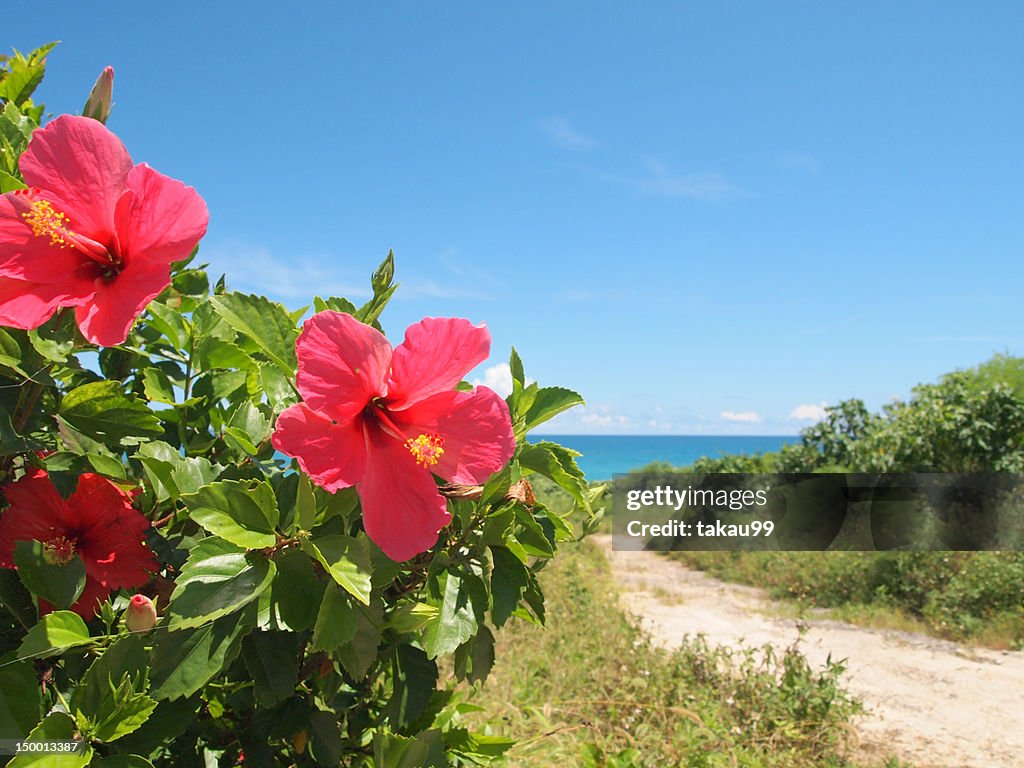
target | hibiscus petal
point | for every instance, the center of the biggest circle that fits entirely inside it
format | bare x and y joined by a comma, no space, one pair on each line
342,364
111,532
85,165
402,508
108,316
477,432
436,354
105,510
334,455
26,256
36,512
29,305
158,218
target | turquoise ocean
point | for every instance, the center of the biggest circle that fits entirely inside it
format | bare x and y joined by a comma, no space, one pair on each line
607,455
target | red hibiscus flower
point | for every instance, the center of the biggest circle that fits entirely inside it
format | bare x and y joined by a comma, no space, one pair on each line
385,420
97,523
92,231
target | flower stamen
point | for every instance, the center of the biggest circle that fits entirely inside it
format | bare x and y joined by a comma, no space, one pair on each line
47,221
59,550
426,449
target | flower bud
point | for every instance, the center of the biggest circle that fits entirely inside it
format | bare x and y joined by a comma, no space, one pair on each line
141,614
101,97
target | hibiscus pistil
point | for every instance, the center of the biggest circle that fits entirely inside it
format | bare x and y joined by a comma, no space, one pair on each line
427,449
47,221
59,550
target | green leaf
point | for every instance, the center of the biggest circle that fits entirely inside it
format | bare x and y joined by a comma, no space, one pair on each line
415,677
93,697
103,412
24,75
183,662
515,364
557,463
462,598
335,304
347,559
55,633
305,504
192,282
425,750
243,512
169,720
57,584
497,485
475,657
358,655
9,183
107,465
157,386
212,352
218,579
325,744
11,354
278,387
172,474
132,711
248,428
272,659
548,403
533,537
265,322
509,579
296,593
55,338
20,698
111,701
337,621
15,599
170,323
56,727
10,441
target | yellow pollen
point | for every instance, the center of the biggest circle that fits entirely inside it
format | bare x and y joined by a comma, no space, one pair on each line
426,449
46,221
59,550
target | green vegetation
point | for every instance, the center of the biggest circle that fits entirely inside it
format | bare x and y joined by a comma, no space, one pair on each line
595,692
970,421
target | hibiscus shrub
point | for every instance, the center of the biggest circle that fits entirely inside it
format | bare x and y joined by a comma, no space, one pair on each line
223,540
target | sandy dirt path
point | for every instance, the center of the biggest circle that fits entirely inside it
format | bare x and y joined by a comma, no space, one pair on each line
931,702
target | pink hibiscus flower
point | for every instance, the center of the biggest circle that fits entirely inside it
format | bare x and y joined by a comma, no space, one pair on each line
92,231
385,420
97,523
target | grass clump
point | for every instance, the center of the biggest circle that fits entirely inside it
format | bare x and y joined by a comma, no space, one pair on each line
591,690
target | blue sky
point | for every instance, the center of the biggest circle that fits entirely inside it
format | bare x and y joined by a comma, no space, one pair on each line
705,217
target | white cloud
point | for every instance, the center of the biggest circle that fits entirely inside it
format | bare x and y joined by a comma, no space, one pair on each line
255,269
604,420
745,416
809,412
662,181
499,378
565,136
